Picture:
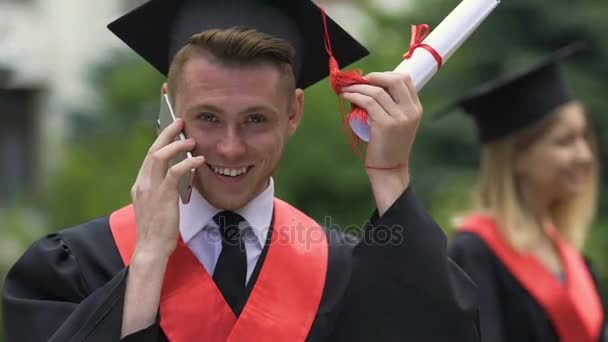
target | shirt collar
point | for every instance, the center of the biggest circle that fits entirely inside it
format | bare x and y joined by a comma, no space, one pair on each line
198,213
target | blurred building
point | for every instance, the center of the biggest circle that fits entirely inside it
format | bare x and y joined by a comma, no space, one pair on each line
46,50
19,136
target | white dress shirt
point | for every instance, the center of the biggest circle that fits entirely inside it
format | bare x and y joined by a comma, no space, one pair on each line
202,235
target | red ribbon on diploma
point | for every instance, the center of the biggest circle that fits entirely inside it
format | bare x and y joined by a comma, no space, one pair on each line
340,79
419,33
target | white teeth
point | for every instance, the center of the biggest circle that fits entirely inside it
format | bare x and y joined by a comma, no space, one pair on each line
229,172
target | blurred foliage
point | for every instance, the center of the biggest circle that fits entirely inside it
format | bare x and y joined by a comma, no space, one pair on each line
320,174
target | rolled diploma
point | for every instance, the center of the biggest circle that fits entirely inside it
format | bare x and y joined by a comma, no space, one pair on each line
446,38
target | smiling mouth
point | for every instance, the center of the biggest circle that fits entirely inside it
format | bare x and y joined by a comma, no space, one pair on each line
230,171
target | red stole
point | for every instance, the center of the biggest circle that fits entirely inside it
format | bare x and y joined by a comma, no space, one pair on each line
574,307
282,305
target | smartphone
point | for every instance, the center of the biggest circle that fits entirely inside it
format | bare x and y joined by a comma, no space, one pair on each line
165,118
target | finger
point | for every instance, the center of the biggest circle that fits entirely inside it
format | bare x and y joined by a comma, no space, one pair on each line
164,138
167,135
396,85
374,109
379,94
409,82
180,169
158,161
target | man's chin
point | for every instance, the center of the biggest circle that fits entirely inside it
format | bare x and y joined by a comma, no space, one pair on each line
231,198
231,204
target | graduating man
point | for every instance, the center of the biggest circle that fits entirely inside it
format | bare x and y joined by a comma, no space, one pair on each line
235,263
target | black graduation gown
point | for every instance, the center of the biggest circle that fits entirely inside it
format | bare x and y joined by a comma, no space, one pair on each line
70,286
507,311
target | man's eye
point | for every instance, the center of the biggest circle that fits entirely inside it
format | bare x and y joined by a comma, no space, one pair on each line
209,117
256,118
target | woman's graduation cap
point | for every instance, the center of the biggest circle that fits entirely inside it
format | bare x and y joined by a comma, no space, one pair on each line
158,29
507,105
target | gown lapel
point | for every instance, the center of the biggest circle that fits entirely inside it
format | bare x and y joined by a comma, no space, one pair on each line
282,301
574,307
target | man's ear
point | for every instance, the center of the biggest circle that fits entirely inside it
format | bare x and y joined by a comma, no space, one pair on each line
164,89
296,111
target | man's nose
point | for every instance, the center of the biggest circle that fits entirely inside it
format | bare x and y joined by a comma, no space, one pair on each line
232,144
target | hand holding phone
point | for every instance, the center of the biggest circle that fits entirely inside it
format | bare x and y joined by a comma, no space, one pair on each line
165,118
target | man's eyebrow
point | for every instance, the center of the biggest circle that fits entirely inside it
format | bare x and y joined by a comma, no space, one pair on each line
205,106
258,108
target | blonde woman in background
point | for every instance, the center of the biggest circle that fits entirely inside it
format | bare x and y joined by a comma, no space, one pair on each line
536,199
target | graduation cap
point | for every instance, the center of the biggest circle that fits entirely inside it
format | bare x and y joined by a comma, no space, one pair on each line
158,29
507,105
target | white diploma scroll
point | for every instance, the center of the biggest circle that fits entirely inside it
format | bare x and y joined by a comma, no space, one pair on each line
446,38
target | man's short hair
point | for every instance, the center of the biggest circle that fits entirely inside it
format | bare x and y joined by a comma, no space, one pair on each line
236,46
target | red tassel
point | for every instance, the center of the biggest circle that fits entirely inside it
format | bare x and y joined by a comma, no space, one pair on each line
340,79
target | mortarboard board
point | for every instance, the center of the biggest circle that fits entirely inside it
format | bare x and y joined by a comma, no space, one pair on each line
158,29
507,105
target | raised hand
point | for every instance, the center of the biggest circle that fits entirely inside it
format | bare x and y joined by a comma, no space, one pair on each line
395,111
155,192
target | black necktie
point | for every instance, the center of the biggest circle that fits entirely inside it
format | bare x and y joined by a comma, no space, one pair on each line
231,268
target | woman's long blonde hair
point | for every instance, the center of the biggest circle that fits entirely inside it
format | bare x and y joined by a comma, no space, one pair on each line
498,194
